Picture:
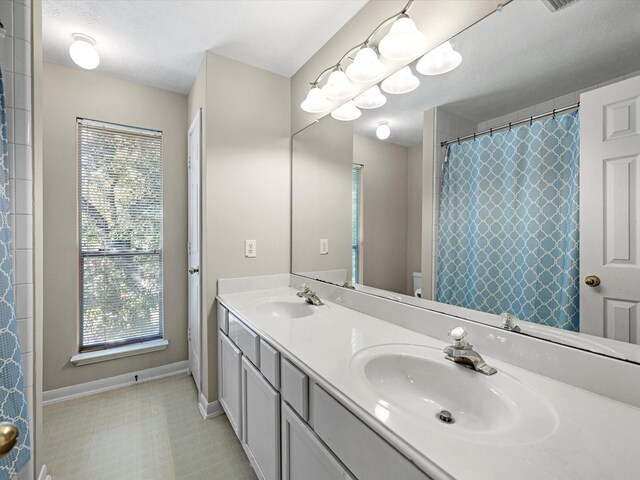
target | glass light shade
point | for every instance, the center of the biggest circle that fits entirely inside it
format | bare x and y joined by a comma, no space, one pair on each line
338,86
83,52
316,101
370,98
383,131
366,66
346,112
439,60
403,42
402,81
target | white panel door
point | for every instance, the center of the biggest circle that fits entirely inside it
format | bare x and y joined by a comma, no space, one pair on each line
194,248
610,211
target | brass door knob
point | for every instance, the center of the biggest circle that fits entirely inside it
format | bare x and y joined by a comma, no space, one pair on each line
193,270
8,437
592,280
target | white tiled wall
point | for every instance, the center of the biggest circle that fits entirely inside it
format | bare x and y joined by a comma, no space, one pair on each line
16,56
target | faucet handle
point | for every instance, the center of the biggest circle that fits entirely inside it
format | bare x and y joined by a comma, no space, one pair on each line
509,322
305,288
459,337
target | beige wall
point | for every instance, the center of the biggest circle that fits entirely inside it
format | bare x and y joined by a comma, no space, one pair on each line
414,214
384,208
428,150
321,198
69,93
245,181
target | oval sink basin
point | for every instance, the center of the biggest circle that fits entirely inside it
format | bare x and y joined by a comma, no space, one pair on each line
284,309
417,383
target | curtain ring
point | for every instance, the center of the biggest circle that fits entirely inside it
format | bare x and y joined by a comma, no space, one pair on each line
458,140
554,113
491,132
509,126
474,137
531,121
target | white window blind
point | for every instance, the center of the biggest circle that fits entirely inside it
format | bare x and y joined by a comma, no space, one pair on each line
356,221
120,208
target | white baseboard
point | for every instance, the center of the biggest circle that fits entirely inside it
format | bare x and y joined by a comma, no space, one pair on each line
44,474
111,383
209,410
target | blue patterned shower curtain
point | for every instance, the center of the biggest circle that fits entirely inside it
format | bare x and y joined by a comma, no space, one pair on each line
508,228
13,405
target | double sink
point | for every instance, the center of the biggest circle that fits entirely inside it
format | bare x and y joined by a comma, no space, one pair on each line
416,383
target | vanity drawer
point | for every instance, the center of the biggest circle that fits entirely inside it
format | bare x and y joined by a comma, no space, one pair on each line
294,388
270,364
223,318
358,447
247,340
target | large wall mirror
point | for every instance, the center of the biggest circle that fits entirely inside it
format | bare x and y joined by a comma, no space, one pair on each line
509,184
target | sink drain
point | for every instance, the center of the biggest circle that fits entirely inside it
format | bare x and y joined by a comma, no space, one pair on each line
445,416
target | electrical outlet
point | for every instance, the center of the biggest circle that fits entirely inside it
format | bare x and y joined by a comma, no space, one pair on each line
250,248
324,246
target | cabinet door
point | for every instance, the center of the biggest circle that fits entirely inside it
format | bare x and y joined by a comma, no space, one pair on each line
261,422
304,456
229,370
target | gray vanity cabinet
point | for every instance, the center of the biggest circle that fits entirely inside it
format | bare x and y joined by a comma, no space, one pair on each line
229,373
304,457
260,422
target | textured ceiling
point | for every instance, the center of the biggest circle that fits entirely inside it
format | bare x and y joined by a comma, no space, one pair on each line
519,57
162,42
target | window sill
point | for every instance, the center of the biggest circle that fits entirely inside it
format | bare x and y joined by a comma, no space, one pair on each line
118,352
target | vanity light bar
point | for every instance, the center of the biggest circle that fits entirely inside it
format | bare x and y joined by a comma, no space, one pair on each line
368,67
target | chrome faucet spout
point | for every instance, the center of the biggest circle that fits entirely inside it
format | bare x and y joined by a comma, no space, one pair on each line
309,296
462,352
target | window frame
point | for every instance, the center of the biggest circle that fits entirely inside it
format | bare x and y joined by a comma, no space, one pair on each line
81,254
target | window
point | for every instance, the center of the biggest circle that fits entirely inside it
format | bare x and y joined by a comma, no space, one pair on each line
120,210
356,221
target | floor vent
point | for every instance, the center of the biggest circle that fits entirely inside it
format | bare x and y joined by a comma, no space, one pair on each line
555,5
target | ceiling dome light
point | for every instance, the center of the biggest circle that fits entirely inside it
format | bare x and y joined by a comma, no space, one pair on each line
383,131
338,86
440,60
371,98
83,51
404,41
316,101
402,81
346,112
366,66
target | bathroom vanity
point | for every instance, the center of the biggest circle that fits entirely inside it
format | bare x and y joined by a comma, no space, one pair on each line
324,392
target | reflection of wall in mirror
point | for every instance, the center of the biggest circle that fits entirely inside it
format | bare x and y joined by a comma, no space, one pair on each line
385,212
321,197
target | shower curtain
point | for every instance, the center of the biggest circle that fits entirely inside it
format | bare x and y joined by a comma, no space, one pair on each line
508,227
13,405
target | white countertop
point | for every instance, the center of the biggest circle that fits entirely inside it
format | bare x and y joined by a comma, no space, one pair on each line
593,438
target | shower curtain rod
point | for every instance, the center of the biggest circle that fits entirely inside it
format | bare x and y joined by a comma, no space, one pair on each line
509,125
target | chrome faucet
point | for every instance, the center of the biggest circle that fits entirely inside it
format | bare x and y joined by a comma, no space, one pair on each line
309,295
509,322
463,353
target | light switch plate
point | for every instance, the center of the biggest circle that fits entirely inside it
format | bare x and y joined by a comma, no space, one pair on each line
250,248
324,246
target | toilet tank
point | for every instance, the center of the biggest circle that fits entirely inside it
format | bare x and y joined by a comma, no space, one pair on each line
417,284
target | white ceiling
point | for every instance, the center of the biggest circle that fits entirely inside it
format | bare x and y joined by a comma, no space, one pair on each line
162,42
519,57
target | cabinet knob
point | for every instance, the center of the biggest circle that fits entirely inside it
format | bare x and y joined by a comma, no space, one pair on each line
592,280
